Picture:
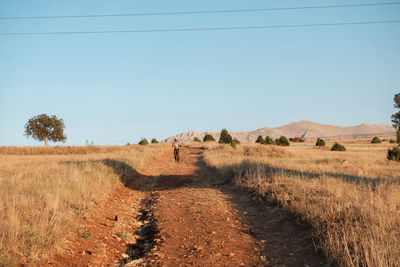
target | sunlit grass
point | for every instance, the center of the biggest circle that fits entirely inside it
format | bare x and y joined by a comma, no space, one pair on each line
350,198
44,195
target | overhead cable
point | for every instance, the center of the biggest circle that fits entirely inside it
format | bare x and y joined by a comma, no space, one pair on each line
197,12
203,29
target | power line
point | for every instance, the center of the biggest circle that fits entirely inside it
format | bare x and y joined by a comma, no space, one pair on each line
203,29
199,12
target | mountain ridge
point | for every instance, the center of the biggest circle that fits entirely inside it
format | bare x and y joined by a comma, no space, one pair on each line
309,130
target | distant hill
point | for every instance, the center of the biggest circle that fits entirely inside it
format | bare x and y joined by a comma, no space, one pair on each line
307,129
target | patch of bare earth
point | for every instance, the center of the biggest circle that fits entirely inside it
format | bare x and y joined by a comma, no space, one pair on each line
181,215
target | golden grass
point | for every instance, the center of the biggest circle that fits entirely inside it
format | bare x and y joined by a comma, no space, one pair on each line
44,197
56,150
350,198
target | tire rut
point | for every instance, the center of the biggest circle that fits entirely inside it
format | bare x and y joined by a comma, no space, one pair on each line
147,234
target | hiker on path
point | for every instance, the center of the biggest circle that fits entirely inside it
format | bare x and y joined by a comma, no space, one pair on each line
176,145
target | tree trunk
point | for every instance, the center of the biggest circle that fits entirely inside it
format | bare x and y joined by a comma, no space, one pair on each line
398,135
45,141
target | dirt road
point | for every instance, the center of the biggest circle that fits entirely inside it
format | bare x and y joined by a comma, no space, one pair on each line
183,214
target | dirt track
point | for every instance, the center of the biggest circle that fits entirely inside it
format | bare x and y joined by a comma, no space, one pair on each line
181,214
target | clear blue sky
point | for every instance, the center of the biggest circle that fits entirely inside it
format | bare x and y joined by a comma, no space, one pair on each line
117,88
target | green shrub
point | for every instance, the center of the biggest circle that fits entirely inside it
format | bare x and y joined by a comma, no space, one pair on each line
392,141
376,140
196,140
282,141
320,142
225,137
394,154
143,142
154,141
269,141
260,140
338,147
235,142
208,138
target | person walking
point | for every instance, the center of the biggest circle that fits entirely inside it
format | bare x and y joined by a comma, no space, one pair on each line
176,145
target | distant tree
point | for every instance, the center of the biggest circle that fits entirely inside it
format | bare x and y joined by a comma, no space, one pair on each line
260,140
394,153
196,140
44,127
225,137
396,117
154,141
269,141
392,141
376,140
320,142
338,147
208,138
143,142
282,141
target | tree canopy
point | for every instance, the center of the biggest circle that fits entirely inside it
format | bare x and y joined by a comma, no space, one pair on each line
196,139
394,153
44,127
396,116
208,138
260,140
143,142
282,141
269,141
225,137
320,142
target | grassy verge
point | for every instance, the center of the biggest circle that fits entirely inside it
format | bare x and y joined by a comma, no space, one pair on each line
350,198
44,197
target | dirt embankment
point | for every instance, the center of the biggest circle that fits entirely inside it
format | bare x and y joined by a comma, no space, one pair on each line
179,214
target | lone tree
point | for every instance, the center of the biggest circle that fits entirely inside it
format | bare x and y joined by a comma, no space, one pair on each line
338,147
320,142
396,117
394,153
225,137
44,127
208,138
376,140
154,141
143,142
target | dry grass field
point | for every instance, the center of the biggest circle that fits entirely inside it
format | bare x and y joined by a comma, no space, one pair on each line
350,198
46,191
